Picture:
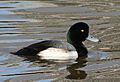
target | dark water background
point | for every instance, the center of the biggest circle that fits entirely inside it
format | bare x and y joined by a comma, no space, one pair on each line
26,22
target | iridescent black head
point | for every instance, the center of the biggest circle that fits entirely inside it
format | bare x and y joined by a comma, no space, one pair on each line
78,33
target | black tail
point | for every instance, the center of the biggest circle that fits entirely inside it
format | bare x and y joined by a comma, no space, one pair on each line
25,51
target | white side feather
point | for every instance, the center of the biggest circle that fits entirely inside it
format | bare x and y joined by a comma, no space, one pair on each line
57,54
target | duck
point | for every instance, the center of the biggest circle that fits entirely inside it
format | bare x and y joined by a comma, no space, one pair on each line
53,49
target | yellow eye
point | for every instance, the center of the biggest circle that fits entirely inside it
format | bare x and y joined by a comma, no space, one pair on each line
82,30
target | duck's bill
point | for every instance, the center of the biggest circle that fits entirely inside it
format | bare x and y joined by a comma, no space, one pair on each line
92,38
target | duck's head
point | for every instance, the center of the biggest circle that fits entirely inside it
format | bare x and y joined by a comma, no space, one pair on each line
78,33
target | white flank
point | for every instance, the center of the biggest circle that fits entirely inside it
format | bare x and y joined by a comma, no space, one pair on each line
57,54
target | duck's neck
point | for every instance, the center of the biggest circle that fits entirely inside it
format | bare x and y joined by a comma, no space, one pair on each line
79,46
81,49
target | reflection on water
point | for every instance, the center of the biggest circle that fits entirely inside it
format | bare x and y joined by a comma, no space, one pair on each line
77,74
25,22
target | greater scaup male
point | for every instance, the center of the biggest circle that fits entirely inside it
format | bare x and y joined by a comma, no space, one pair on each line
53,49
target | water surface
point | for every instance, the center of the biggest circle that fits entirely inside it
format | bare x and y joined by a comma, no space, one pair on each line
25,22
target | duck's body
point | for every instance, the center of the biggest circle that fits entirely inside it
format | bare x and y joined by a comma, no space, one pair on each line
57,54
53,49
50,49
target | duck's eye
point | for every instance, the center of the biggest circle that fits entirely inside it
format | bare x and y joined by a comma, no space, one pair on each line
82,30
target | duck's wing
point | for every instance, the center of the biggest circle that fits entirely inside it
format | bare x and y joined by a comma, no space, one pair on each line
43,45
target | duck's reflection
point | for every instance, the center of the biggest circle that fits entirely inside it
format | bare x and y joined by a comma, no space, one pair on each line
72,69
74,72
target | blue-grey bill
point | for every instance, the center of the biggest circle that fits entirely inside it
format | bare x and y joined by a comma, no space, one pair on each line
92,38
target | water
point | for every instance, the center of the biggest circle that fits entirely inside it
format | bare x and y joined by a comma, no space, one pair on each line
25,22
